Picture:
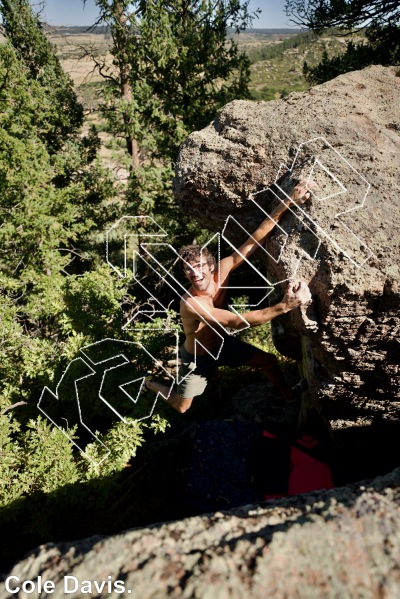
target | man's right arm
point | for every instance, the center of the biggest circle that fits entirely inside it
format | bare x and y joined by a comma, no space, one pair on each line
299,195
296,295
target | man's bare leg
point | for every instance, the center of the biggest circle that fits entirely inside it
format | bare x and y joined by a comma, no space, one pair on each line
269,364
180,404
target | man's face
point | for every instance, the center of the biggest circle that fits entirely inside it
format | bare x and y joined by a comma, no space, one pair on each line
199,273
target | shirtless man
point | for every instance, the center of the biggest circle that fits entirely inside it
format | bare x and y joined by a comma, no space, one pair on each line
204,317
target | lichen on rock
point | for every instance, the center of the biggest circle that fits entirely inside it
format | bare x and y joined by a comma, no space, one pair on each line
332,544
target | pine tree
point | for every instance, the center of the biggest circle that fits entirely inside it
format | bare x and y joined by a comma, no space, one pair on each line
176,65
56,292
379,20
54,197
319,15
26,33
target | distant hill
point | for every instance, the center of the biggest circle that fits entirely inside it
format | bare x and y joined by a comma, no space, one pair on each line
275,31
77,29
101,29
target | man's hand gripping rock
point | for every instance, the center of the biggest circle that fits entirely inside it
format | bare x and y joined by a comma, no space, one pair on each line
297,294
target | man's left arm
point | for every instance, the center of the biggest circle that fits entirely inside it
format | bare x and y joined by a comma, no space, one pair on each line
299,195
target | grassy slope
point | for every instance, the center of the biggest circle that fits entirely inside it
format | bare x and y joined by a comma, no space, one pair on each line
276,61
277,66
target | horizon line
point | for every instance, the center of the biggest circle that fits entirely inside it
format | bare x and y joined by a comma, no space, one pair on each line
247,28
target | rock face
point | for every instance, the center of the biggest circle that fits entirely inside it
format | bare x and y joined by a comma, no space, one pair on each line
338,544
344,135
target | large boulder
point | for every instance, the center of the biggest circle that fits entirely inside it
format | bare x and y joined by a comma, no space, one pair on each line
345,135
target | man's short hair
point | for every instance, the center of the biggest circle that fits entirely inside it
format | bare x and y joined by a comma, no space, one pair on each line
195,253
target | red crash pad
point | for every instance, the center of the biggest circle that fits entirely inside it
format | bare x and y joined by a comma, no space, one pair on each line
309,470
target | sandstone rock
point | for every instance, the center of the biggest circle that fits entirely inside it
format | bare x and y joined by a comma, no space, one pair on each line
345,135
340,544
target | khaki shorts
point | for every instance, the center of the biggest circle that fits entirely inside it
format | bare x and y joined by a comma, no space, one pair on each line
234,352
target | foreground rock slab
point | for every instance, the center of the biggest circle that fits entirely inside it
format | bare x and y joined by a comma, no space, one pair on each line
340,544
345,242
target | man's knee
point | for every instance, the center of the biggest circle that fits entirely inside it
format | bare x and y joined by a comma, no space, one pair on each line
181,404
262,359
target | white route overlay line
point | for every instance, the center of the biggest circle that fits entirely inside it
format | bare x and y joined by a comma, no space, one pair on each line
326,235
303,253
322,231
276,260
126,326
138,220
55,395
175,331
124,361
269,286
180,290
331,175
160,233
252,266
303,217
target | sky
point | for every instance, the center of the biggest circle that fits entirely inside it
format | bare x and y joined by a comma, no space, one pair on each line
71,12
